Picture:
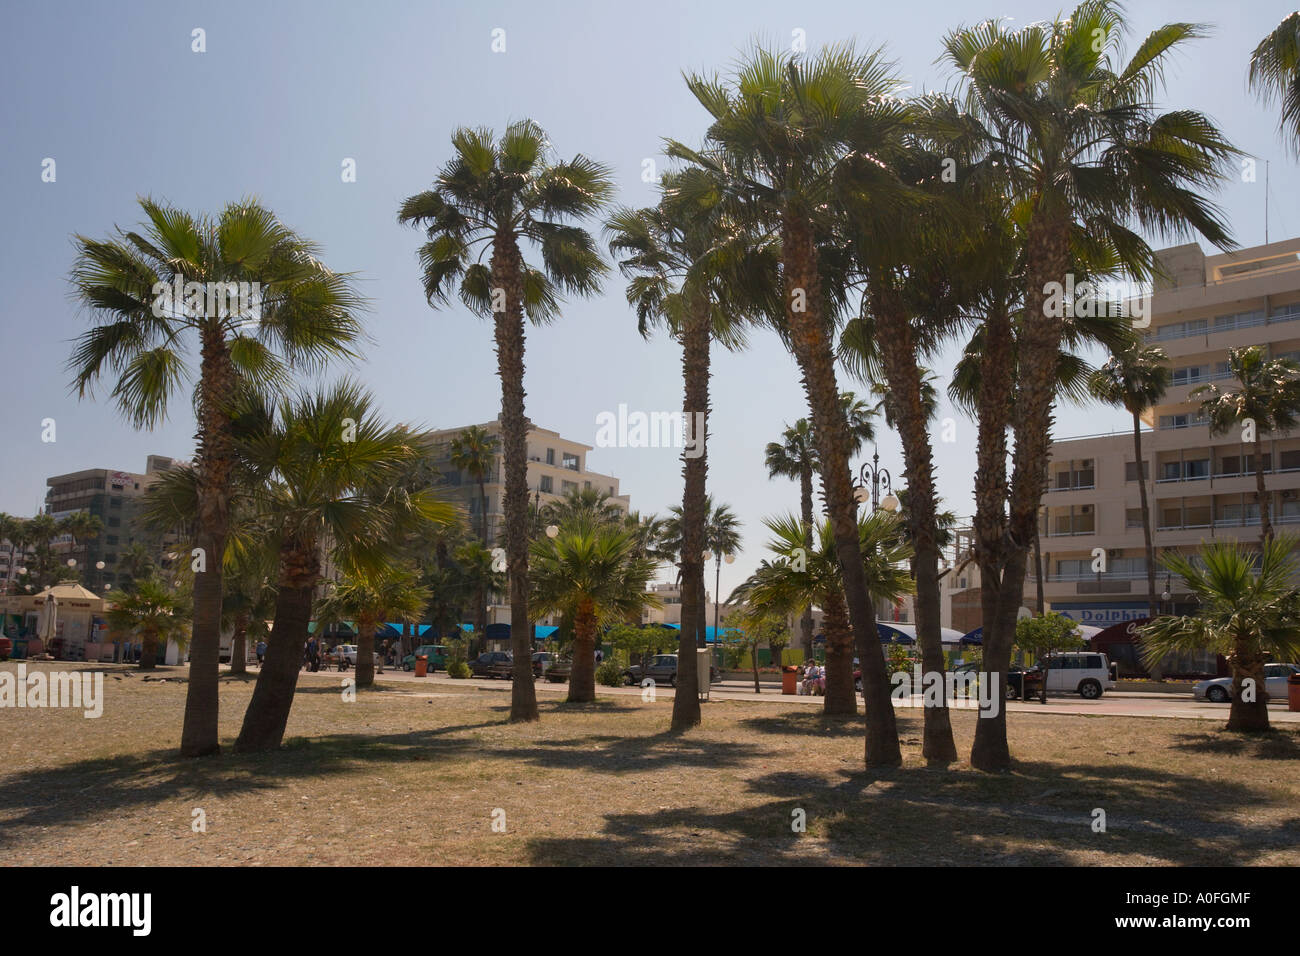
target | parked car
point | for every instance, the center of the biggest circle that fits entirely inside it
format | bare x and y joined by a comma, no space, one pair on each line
662,669
558,670
1017,678
436,653
1085,673
493,664
1219,690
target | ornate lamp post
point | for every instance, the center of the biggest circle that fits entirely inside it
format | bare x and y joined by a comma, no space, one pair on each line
878,478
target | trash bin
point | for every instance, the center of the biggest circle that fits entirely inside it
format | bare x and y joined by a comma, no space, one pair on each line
421,665
1293,692
789,679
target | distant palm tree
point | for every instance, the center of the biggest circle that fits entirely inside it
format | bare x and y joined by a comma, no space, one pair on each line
1248,608
581,502
474,451
591,573
795,456
1275,75
721,537
1135,379
474,573
1267,399
371,596
298,314
153,612
500,193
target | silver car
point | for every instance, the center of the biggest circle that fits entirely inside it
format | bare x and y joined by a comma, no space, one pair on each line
1219,690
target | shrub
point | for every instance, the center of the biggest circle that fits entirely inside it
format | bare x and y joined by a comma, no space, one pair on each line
609,672
458,669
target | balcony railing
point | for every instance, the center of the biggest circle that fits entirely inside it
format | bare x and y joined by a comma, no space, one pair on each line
1088,487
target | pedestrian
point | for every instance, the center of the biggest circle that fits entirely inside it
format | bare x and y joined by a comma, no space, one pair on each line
600,655
261,652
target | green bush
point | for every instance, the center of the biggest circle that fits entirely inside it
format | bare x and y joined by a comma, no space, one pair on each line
609,672
458,669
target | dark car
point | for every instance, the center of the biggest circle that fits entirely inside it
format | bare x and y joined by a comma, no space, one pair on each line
662,669
493,664
541,661
1017,679
558,670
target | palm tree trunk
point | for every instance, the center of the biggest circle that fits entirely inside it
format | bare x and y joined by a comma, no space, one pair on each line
277,680
806,512
1265,525
365,651
483,512
215,459
753,660
1040,605
991,545
898,355
582,678
1247,662
816,360
1146,518
238,645
507,274
148,650
841,698
695,471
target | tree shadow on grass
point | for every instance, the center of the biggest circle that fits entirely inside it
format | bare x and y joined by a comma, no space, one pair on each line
1275,745
1040,816
817,724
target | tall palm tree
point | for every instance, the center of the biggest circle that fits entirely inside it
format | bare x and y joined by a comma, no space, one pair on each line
1275,75
798,576
474,451
781,130
503,193
591,573
687,273
154,612
1268,396
329,471
371,596
1248,608
1136,379
298,315
1082,153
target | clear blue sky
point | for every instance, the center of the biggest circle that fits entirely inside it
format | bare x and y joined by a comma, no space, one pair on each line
287,90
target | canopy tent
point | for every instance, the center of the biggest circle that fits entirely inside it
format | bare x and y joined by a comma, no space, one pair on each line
896,632
544,631
976,636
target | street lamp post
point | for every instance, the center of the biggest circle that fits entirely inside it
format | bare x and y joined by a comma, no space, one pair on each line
879,478
717,583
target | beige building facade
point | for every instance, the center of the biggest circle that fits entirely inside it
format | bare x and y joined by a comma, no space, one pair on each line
1201,487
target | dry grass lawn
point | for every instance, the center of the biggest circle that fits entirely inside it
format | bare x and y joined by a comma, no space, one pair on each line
400,777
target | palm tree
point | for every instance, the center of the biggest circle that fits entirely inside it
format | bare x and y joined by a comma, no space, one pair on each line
1267,399
591,573
80,525
1275,75
1135,379
589,503
297,314
136,562
154,612
687,273
1248,608
1082,154
474,574
371,596
799,576
474,451
721,537
249,603
781,130
504,192
795,456
330,473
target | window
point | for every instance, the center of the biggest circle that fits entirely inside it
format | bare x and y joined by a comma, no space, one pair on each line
568,486
570,461
586,486
1196,468
115,522
1130,470
1171,471
547,484
550,456
1133,518
110,539
1290,460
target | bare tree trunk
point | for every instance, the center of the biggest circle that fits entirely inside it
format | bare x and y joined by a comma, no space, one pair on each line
1248,663
507,273
582,678
277,679
148,651
812,349
1265,524
841,698
695,472
365,675
1150,551
215,456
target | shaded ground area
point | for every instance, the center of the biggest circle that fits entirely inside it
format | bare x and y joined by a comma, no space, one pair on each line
418,778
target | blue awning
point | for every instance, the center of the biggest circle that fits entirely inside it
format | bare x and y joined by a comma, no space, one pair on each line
889,634
973,637
544,631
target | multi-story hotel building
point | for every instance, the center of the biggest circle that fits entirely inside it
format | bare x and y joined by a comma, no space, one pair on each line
114,497
556,467
1200,486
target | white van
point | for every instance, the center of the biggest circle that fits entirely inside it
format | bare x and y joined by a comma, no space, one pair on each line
1085,673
